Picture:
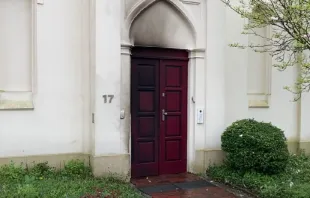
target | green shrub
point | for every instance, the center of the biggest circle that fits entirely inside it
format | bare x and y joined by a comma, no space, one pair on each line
11,172
75,180
27,191
252,145
76,168
41,170
294,182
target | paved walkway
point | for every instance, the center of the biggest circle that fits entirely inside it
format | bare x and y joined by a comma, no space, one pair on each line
180,185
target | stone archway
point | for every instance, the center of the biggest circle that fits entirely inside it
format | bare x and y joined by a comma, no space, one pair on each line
162,25
144,5
139,15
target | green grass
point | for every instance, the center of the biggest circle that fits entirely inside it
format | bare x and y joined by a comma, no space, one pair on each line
294,182
74,181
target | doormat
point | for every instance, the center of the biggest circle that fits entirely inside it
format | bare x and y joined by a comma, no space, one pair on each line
175,187
158,188
193,184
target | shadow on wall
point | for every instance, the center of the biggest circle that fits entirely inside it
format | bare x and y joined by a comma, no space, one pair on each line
162,25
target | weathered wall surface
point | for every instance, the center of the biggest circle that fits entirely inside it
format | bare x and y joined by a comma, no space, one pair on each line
256,90
57,120
80,51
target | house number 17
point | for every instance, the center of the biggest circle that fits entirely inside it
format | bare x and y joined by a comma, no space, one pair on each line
108,98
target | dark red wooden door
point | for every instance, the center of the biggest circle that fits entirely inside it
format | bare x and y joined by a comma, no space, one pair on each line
173,125
144,115
158,111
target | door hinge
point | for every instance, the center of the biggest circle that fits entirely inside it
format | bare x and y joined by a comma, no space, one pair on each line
93,118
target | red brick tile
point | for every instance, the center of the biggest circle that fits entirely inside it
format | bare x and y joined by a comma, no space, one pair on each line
206,192
164,179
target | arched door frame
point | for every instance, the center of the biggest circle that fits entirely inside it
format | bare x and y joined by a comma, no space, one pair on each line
196,94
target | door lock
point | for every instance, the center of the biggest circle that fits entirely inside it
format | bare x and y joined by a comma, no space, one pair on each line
163,114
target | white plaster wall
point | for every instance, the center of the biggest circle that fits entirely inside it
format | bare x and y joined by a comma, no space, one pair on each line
15,17
60,120
107,137
226,81
281,112
304,118
216,58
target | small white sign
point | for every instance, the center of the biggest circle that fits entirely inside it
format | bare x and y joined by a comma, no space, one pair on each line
122,114
200,115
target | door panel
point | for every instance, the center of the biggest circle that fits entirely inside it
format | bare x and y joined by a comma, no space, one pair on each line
144,115
173,125
158,112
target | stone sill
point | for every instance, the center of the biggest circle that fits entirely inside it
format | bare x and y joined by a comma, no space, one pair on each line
258,104
258,100
16,100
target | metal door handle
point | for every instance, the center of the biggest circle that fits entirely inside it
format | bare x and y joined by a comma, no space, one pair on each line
163,114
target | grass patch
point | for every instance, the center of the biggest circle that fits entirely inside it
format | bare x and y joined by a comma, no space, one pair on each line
74,181
294,182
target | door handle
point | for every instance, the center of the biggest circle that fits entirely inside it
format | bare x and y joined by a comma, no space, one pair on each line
163,114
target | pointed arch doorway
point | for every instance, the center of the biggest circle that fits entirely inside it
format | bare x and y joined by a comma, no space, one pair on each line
161,116
158,111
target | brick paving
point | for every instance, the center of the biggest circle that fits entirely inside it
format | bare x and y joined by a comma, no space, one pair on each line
180,185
